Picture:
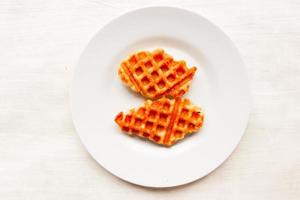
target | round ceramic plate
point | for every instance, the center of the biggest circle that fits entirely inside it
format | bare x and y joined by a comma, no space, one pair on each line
220,87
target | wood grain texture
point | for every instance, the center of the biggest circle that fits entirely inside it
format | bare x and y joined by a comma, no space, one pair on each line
41,156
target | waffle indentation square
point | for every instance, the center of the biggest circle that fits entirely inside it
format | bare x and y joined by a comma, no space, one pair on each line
151,90
184,112
149,125
141,111
191,126
166,106
156,138
161,83
163,117
171,77
148,64
146,134
155,74
195,115
181,92
145,80
135,131
133,60
180,71
158,57
164,67
152,114
159,128
181,122
125,128
138,122
128,118
139,70
178,133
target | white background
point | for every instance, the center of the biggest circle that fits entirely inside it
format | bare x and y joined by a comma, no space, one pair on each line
41,156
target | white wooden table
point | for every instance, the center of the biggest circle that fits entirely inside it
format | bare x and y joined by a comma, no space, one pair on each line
41,156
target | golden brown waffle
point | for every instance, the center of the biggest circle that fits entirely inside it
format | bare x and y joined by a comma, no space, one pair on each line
155,74
164,121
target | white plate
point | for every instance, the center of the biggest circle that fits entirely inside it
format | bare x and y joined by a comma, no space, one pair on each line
220,87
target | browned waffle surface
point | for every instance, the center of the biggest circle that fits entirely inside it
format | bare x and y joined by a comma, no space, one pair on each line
156,74
164,121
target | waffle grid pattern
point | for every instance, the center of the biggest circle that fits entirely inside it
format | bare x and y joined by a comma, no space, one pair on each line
163,121
156,74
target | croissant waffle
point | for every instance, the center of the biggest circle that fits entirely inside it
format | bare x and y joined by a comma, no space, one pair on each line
164,121
156,74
